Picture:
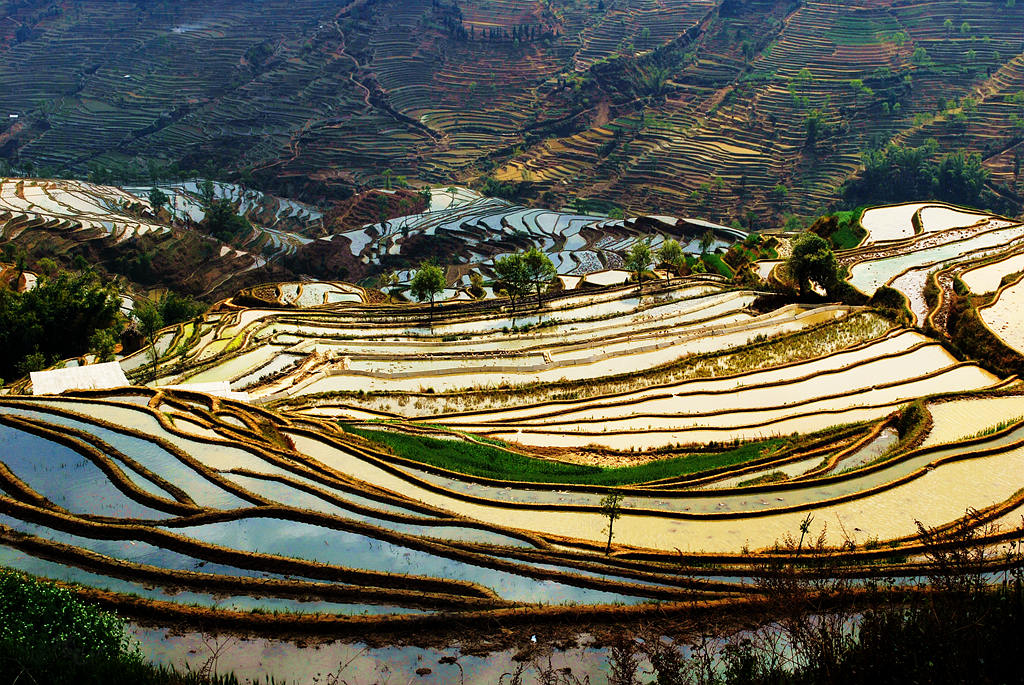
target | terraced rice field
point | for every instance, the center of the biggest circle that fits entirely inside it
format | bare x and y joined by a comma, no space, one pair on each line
987,279
1003,316
392,462
188,492
281,225
73,206
483,229
897,255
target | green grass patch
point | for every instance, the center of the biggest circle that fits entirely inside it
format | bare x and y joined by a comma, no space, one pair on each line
48,635
850,232
766,479
491,461
715,264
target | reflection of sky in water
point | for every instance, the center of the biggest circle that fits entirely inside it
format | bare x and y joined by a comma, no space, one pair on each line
306,541
258,657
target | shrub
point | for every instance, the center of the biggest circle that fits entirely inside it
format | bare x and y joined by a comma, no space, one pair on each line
48,635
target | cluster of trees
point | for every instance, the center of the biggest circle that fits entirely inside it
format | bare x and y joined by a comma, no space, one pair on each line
222,221
519,275
640,257
150,316
899,174
522,273
64,316
531,272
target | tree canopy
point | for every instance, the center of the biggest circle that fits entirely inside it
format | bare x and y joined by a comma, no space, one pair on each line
224,223
813,262
638,259
157,198
55,320
539,270
672,254
427,283
513,277
901,174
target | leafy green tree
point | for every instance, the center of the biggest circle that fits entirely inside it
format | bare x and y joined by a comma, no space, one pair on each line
175,308
540,270
638,260
961,178
47,267
611,509
514,278
812,261
672,254
158,198
897,174
102,344
858,88
207,191
147,315
387,173
224,223
427,284
707,239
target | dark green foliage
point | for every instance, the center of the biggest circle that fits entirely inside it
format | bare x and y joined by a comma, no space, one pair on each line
513,277
427,284
714,263
175,308
671,255
493,462
224,223
508,190
48,635
892,304
813,262
638,260
158,198
911,418
539,270
842,229
55,320
900,174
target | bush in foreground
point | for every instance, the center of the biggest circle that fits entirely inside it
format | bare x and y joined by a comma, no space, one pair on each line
48,635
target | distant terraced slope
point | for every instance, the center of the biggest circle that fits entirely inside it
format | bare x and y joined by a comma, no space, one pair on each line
119,232
644,104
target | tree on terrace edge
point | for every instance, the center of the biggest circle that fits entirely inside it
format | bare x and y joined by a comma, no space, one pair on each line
427,283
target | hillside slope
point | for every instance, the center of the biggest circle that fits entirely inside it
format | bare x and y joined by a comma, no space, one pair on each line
736,109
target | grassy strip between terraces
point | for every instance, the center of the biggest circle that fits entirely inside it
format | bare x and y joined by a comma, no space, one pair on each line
489,461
